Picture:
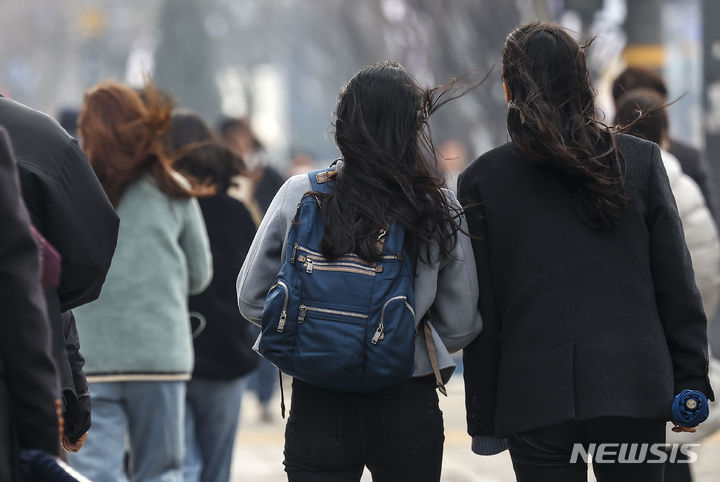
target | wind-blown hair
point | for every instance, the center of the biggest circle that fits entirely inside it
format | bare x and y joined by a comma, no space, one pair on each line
382,131
121,136
551,119
202,157
641,113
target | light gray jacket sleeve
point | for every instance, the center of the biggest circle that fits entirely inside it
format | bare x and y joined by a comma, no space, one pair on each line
196,246
267,251
452,291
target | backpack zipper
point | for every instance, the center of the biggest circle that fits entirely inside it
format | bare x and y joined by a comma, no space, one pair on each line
348,263
354,258
294,252
283,313
380,331
346,267
304,309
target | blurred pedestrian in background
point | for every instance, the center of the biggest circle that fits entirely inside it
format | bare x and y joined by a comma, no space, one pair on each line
68,120
28,375
692,162
452,159
255,187
69,208
383,178
222,338
259,181
591,318
643,112
139,348
301,163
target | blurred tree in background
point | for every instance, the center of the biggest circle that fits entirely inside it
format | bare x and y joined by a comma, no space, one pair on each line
184,60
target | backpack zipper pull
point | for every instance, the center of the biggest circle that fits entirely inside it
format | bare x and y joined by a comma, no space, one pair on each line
294,252
301,316
309,266
379,335
281,323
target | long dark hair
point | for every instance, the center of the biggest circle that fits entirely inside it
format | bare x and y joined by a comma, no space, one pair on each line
551,119
381,129
201,156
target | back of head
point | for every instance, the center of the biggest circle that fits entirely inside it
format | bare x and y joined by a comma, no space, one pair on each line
641,113
121,137
551,118
201,156
637,78
237,133
381,131
68,118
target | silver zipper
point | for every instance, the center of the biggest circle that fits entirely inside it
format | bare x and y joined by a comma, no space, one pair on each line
308,265
355,257
294,252
380,331
303,312
304,309
283,313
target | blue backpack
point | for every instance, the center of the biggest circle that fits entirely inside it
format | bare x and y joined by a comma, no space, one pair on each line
344,323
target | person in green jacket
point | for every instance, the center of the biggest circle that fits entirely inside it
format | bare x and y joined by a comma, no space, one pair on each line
136,336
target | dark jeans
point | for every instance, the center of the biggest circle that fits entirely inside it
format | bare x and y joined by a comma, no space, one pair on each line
544,454
396,432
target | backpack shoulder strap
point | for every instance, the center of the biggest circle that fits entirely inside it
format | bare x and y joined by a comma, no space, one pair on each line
323,180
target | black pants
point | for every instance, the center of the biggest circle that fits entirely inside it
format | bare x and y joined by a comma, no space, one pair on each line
678,471
544,454
396,432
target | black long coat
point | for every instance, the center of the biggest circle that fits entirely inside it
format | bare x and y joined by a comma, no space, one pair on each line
28,377
578,323
70,209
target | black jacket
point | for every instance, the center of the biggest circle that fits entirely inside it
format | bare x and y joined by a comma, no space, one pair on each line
70,209
76,398
28,376
577,323
223,345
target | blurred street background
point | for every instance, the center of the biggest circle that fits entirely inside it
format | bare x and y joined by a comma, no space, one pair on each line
281,63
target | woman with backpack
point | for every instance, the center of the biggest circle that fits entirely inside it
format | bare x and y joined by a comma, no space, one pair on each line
364,280
592,320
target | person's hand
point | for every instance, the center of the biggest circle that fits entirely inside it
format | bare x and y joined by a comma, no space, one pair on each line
679,428
69,446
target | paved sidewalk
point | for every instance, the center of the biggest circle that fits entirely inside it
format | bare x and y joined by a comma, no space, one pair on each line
258,451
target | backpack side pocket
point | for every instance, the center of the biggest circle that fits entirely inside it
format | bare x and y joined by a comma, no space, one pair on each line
277,343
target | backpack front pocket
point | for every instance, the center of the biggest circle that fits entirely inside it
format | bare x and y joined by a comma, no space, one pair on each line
321,275
330,340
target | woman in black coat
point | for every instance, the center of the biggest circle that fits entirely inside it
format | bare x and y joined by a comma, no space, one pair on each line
592,320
